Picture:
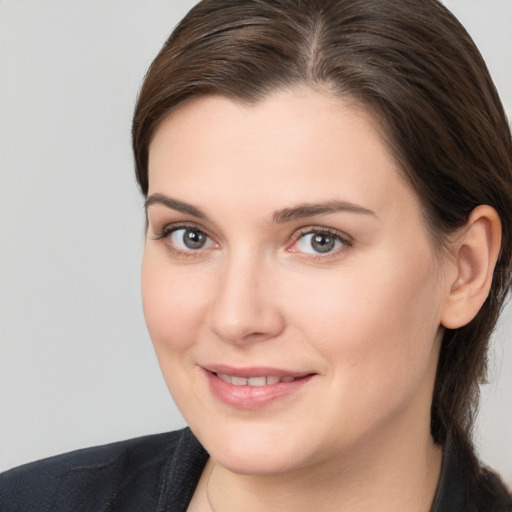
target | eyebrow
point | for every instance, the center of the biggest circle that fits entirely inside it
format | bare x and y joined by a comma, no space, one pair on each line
179,206
311,209
278,217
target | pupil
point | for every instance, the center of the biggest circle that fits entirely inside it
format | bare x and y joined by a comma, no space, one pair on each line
322,243
194,239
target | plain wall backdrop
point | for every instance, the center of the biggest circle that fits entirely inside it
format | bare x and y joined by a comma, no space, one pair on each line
76,364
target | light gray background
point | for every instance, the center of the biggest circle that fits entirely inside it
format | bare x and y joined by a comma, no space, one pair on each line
77,367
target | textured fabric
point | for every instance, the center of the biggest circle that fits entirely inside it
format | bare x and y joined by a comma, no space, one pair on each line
155,473
455,493
159,474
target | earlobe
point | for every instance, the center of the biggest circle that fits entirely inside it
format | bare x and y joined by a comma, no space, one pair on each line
476,251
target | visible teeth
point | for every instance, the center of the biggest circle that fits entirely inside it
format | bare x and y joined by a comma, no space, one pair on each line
253,381
257,381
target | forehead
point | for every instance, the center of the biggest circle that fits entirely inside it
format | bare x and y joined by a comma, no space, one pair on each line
290,144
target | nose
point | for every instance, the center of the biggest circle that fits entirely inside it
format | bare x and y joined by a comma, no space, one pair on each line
245,307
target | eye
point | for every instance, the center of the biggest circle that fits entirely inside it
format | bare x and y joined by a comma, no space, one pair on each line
319,242
186,239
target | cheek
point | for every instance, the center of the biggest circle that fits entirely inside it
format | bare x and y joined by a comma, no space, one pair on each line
173,303
372,320
377,332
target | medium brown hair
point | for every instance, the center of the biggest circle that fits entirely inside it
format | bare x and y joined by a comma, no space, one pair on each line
416,68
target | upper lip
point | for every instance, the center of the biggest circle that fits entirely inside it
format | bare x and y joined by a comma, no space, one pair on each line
254,371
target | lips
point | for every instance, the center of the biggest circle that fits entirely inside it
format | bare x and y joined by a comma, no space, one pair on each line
253,388
253,381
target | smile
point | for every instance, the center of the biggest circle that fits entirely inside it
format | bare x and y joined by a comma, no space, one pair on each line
254,388
253,381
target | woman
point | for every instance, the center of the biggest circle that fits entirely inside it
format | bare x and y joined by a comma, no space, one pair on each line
328,195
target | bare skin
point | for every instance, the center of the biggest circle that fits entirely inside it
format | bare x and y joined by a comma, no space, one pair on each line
283,238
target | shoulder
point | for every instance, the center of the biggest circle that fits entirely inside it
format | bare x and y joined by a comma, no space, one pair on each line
92,479
467,486
490,493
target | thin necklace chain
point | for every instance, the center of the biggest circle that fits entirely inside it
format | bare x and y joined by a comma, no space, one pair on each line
208,498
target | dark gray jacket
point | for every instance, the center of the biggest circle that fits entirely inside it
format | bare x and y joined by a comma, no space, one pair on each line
159,473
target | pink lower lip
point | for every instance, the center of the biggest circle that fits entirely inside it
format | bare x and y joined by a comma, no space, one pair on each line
253,397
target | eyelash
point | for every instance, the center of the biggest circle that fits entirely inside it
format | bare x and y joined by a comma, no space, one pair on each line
166,232
345,240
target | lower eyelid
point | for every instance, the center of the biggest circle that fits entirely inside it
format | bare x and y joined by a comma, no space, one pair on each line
165,236
345,241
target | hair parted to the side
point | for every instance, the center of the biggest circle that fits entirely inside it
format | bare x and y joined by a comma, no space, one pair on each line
413,65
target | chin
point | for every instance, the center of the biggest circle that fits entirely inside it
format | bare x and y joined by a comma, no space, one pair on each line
257,461
254,449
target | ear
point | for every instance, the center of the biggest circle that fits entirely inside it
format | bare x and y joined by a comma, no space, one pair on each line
476,251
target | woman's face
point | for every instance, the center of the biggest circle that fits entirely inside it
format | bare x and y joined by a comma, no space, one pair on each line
289,284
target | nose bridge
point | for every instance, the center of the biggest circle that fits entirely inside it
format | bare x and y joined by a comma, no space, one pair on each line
243,309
